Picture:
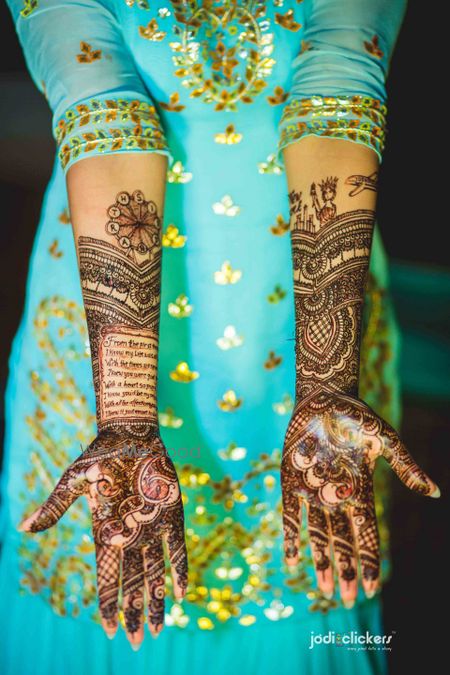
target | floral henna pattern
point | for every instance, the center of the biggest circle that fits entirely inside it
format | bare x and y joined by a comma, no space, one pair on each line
329,456
136,505
135,499
334,438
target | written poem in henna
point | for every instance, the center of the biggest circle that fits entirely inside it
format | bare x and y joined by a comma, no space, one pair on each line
127,372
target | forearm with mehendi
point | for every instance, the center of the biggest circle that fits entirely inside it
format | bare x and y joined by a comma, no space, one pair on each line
116,209
332,190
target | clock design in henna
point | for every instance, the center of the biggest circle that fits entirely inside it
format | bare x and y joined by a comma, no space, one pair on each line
135,224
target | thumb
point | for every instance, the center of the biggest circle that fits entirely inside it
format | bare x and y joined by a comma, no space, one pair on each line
408,470
69,488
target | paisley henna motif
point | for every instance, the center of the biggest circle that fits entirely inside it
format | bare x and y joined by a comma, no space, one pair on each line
334,438
135,500
136,504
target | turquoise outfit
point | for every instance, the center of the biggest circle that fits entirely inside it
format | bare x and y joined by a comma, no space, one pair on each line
221,88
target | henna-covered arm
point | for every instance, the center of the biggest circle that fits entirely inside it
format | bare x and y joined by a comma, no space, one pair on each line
334,438
116,206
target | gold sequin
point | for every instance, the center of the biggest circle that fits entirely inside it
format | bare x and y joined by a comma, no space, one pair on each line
88,55
177,174
229,339
226,207
182,373
227,275
172,238
281,226
229,402
287,21
229,136
174,104
152,32
180,309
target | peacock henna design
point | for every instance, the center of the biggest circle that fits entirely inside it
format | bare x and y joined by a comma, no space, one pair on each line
134,498
136,505
333,438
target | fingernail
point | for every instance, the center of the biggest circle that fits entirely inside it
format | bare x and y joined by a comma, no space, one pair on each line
328,595
135,646
348,604
436,493
110,636
370,594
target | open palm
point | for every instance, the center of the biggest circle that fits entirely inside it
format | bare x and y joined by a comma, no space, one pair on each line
330,449
135,500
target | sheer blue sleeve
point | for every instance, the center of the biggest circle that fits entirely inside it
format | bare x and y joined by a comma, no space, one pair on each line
338,86
76,55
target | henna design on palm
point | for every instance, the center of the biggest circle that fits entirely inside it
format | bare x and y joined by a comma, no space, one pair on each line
136,505
330,450
334,438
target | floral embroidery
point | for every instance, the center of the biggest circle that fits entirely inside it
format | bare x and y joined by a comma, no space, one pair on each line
229,339
226,207
173,105
272,361
64,217
287,21
284,407
277,295
233,452
373,47
229,401
136,126
172,238
180,309
152,32
356,118
54,249
28,8
182,373
281,226
177,174
271,165
227,275
278,96
229,136
224,52
169,419
142,4
88,55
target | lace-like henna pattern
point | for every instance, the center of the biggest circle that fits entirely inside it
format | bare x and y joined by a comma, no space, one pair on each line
133,492
330,256
136,505
334,438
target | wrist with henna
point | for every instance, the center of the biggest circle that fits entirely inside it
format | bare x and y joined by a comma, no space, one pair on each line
126,473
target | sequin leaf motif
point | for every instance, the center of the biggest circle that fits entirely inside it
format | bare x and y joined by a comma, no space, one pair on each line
88,55
180,309
152,32
227,275
226,207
